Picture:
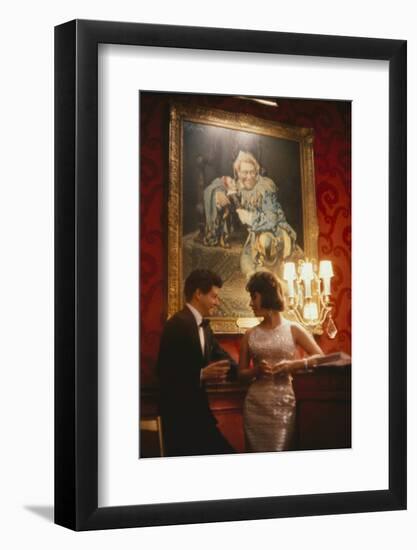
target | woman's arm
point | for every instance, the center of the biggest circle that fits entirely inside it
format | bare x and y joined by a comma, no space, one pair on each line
310,347
305,340
245,372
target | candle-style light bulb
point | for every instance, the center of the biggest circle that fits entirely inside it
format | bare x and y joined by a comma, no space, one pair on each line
326,273
307,276
290,276
310,312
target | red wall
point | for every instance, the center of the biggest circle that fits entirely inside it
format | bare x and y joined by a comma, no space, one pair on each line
331,122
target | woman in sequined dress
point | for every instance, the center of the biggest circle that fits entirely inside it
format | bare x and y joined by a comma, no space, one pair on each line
269,409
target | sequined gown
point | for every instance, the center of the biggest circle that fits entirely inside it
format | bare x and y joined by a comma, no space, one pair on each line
269,409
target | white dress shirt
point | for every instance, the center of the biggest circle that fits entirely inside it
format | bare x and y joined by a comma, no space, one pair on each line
198,318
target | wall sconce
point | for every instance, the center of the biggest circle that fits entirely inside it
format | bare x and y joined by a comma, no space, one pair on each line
308,294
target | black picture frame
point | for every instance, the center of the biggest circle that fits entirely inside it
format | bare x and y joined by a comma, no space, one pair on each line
76,271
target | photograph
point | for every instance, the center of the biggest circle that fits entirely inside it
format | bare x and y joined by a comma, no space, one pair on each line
245,274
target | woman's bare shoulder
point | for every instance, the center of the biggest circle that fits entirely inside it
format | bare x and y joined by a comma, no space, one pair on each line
297,329
248,333
296,326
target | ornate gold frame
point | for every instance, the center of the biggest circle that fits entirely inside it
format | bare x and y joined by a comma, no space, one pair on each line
236,121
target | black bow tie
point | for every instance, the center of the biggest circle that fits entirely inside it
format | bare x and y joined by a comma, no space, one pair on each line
204,323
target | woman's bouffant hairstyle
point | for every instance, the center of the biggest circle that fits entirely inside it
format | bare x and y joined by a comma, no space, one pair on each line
270,289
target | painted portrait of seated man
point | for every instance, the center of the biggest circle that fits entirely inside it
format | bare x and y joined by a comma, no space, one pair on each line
254,200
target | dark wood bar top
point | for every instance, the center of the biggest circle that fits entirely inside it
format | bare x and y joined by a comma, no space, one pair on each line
323,397
331,378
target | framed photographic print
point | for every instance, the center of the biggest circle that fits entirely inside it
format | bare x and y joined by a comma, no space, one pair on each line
159,175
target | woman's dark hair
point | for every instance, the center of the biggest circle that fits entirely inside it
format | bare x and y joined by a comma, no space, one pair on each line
202,279
270,289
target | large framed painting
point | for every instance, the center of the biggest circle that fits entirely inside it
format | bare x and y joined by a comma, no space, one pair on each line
241,199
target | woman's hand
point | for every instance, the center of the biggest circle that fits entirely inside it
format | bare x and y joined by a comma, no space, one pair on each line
266,368
283,367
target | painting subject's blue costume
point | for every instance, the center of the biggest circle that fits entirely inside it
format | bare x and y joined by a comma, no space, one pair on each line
270,238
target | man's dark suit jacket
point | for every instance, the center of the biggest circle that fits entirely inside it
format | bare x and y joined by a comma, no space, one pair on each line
188,423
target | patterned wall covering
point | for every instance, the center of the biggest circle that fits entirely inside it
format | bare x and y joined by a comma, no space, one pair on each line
331,122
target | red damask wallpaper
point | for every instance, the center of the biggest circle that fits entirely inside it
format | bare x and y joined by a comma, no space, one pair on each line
331,121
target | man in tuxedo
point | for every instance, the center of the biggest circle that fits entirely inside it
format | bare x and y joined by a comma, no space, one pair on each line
190,357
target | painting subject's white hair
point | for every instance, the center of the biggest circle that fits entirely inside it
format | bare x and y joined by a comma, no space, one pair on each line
245,156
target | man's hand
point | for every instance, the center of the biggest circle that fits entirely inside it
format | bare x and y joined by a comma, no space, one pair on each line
216,372
221,199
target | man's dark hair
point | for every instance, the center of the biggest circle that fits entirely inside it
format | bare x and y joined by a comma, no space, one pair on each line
202,279
270,289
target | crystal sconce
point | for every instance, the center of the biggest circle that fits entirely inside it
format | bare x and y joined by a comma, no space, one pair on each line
308,295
